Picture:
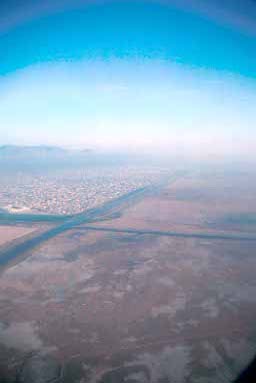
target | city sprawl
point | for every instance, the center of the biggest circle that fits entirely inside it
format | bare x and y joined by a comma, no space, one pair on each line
71,191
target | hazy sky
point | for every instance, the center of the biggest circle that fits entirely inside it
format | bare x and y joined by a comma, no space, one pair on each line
169,76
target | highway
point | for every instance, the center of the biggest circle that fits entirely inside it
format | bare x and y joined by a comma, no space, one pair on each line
103,212
220,236
11,252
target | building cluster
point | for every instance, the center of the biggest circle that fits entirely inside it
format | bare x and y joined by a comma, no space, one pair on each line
70,191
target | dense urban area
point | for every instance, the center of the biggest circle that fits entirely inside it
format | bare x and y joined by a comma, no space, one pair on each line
71,191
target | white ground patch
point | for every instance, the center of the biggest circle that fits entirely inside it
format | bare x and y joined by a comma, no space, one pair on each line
178,304
91,289
172,364
236,293
210,308
240,351
143,269
21,336
166,281
215,361
120,272
137,377
118,294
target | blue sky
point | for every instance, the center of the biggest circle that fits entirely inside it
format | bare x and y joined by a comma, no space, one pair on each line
133,75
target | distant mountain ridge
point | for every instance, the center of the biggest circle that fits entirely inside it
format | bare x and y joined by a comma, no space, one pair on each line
41,151
20,157
32,150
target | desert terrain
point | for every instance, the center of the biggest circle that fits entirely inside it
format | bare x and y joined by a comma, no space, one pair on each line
133,307
9,233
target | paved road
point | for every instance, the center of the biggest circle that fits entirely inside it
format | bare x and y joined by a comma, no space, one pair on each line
91,215
100,213
220,236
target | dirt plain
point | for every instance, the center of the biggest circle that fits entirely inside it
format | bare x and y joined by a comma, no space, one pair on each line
120,307
209,203
10,233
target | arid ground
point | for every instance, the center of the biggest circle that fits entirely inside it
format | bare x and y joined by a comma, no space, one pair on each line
133,307
9,233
